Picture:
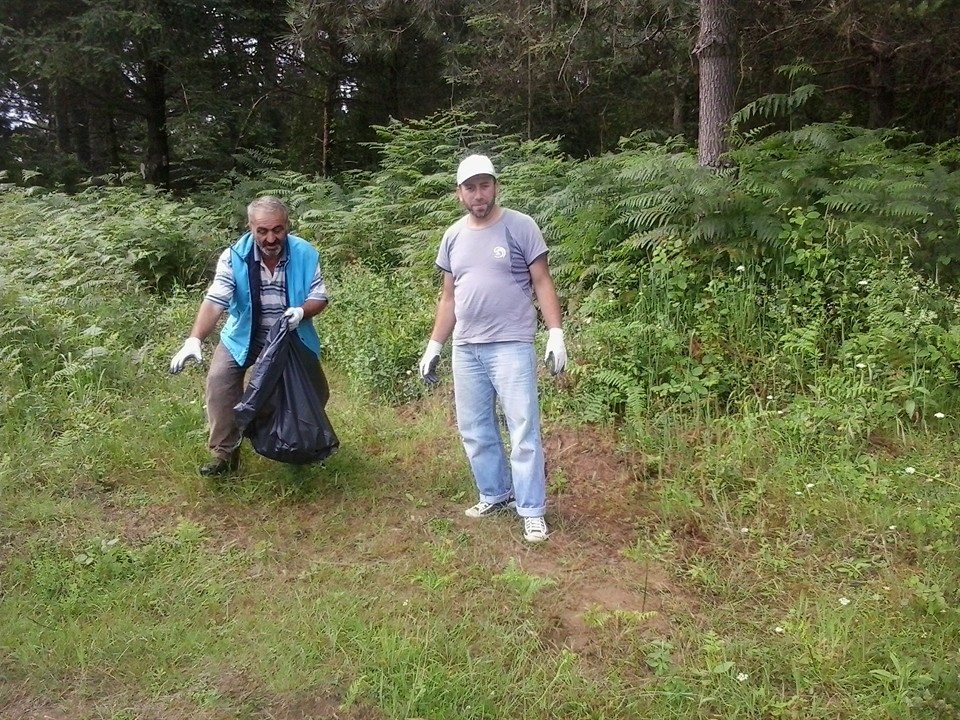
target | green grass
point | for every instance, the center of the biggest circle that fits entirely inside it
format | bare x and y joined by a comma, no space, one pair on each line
760,580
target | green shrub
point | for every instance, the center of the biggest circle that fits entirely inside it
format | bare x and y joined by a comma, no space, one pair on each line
376,327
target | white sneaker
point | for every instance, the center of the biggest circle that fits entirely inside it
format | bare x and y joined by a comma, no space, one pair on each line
534,529
482,509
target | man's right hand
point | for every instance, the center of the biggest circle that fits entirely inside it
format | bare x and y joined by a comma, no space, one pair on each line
428,363
189,351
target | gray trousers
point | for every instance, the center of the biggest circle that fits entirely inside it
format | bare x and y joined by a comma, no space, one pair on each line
225,382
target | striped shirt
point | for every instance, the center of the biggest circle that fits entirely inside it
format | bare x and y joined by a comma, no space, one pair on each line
273,297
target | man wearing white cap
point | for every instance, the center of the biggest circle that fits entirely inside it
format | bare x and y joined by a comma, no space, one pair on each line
494,260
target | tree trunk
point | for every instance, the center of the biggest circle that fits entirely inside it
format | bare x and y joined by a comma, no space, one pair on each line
80,117
104,153
61,116
716,52
272,112
330,99
156,165
678,94
882,81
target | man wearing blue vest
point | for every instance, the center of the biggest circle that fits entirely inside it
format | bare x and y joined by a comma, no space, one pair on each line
265,275
494,261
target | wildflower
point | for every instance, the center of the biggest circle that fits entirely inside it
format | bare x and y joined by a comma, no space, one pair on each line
769,397
909,470
892,527
741,268
844,601
939,416
861,366
744,531
862,283
798,493
808,486
741,677
778,630
779,412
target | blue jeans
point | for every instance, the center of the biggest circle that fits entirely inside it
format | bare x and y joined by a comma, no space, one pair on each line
483,373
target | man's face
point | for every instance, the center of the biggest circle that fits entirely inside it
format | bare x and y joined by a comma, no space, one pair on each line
269,232
478,195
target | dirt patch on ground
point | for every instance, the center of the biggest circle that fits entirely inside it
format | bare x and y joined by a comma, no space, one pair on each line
599,491
600,504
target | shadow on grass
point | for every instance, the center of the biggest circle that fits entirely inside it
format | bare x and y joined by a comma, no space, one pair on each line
347,472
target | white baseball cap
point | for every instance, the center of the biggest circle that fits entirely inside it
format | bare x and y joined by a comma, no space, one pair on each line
474,165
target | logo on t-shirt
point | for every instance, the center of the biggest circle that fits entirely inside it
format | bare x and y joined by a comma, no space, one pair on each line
499,252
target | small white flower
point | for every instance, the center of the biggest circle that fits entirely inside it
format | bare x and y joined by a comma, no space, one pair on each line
808,486
741,268
741,677
861,366
769,397
939,416
862,283
779,412
798,493
744,531
909,470
916,288
844,601
588,321
778,630
892,527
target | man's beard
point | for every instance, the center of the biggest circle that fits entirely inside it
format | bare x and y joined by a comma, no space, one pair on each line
483,211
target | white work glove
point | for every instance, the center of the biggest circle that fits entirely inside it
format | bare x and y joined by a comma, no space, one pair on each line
557,350
293,315
428,363
189,351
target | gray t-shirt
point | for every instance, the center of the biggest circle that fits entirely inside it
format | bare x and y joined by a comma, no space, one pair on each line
492,288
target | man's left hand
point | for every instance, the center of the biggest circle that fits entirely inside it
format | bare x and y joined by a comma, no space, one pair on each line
557,349
293,315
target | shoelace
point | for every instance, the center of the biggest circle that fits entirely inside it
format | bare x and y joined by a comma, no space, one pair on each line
535,525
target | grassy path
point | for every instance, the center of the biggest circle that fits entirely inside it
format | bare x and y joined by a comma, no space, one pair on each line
134,589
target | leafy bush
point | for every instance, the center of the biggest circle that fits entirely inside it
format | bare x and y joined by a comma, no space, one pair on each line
376,327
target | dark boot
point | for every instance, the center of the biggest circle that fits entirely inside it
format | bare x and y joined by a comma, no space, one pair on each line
221,466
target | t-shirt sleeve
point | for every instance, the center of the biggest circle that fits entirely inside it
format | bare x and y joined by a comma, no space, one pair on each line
443,254
221,289
531,241
318,287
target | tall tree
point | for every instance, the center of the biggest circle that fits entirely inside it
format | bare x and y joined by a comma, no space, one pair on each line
716,51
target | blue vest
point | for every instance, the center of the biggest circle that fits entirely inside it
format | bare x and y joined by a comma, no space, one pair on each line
302,261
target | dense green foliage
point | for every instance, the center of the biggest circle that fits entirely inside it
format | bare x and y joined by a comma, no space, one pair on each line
177,90
821,269
819,273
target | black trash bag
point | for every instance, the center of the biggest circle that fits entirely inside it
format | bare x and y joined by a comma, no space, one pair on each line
282,409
